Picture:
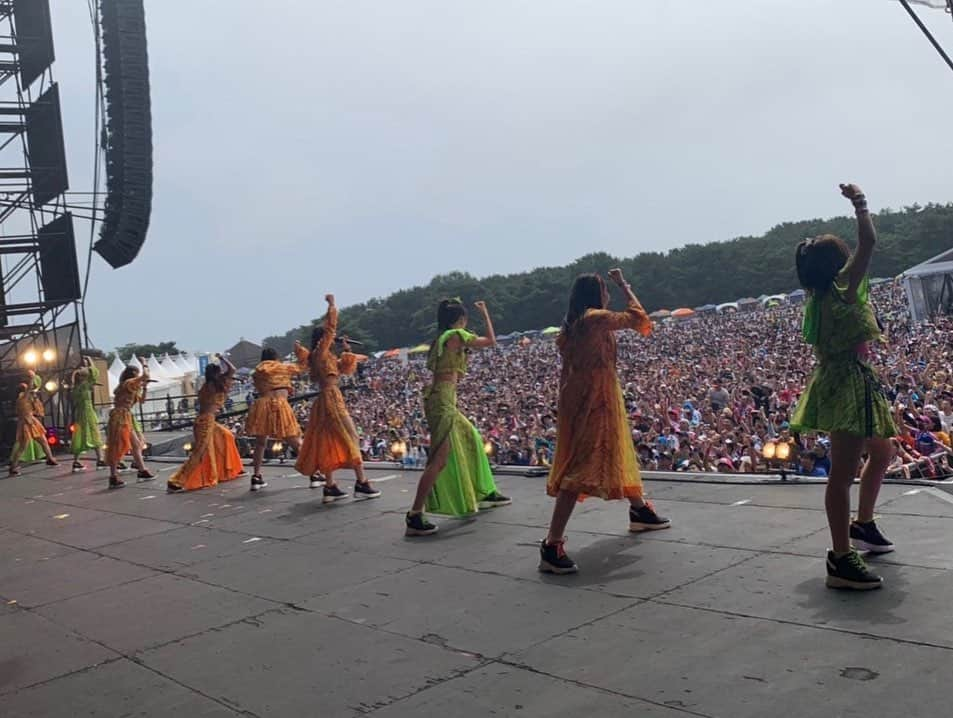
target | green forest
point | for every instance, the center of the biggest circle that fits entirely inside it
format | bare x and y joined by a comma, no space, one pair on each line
684,277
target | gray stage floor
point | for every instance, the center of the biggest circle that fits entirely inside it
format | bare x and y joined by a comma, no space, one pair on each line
226,603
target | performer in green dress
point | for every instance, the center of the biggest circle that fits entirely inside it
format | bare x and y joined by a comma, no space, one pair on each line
844,397
457,480
86,435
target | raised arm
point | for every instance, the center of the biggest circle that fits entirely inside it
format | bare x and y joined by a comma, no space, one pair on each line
229,367
859,263
490,339
632,317
330,325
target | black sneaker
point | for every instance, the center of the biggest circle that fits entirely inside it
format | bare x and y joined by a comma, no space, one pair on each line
334,493
115,483
553,559
417,525
257,483
645,519
317,481
365,490
145,475
171,488
850,571
78,466
102,465
494,500
867,537
121,466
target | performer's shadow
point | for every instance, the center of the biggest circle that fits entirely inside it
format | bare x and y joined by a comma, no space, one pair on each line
602,563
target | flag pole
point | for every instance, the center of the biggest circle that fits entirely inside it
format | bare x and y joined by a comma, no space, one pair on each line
926,31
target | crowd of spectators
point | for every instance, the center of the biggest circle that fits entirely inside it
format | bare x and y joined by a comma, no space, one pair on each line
707,394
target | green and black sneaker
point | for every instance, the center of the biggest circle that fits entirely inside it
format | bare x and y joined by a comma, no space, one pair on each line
850,572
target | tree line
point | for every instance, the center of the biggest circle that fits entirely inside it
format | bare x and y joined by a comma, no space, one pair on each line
688,276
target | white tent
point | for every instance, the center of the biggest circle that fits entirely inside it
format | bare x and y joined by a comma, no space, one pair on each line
171,369
190,365
134,361
117,366
155,369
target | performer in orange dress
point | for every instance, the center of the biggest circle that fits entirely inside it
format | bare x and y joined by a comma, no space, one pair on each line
271,414
595,455
331,441
29,429
214,456
121,436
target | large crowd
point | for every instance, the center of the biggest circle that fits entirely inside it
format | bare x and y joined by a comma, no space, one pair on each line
713,393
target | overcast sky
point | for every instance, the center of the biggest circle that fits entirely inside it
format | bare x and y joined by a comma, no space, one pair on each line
361,147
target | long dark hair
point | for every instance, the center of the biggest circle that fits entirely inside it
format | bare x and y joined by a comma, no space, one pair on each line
588,292
317,334
819,261
449,312
215,377
130,372
269,354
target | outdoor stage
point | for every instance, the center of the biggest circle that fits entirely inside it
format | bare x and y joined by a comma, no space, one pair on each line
226,603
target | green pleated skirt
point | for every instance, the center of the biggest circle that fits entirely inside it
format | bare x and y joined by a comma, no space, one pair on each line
844,395
466,479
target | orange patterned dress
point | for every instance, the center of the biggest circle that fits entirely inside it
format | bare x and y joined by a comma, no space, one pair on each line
595,455
330,441
271,414
214,456
120,429
29,427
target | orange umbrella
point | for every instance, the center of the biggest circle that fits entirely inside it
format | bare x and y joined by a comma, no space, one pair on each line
683,312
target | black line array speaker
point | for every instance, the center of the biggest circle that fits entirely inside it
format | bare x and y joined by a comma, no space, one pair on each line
128,132
34,40
44,134
59,272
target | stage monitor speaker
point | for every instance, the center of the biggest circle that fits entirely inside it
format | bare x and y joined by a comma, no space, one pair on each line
44,134
34,40
59,271
128,131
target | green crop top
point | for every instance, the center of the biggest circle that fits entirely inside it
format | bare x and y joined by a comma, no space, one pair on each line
835,326
441,361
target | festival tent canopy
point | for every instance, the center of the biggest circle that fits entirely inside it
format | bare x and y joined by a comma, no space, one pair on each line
549,331
117,366
705,308
155,368
683,313
727,307
419,349
660,314
169,367
392,353
506,338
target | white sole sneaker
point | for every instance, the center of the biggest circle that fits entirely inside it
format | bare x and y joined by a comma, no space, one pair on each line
870,547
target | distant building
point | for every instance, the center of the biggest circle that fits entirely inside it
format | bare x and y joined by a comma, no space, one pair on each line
245,354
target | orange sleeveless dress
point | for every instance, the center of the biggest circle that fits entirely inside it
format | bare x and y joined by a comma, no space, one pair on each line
330,442
214,458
